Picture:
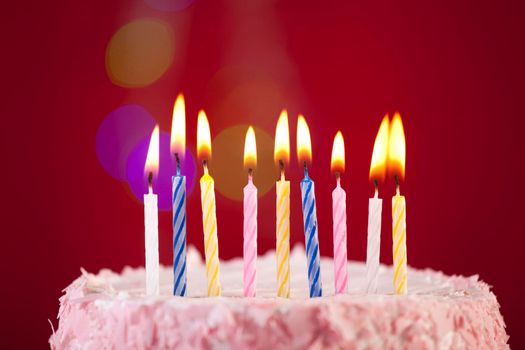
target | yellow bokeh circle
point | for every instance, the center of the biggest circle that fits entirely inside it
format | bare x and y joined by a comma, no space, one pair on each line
227,164
140,52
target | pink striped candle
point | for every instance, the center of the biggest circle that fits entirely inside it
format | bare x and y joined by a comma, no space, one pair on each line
250,238
339,216
340,255
250,217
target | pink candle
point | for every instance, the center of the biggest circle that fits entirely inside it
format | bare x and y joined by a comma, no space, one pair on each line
339,216
250,218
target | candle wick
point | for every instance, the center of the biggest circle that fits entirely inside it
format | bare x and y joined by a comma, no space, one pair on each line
305,169
250,174
177,160
150,183
396,180
338,178
205,166
281,166
376,188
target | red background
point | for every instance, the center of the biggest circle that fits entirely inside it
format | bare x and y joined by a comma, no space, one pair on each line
453,69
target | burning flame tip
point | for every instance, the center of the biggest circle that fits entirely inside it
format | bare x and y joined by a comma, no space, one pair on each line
304,141
397,148
203,136
250,149
178,127
282,139
152,157
337,164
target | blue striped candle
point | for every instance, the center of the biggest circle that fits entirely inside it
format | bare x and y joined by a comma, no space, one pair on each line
179,234
310,233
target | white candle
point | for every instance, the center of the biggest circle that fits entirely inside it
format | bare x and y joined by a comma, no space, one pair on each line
373,243
152,243
151,220
375,204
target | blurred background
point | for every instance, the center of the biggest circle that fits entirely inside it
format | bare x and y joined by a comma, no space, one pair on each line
84,82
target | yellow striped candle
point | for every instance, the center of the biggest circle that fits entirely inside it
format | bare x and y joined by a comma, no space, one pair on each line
282,207
400,246
283,237
209,219
396,167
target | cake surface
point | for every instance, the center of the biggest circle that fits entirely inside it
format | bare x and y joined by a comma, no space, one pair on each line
110,311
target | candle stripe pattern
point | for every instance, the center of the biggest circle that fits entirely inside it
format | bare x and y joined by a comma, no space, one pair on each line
179,235
399,244
373,244
211,246
283,238
250,239
312,242
340,254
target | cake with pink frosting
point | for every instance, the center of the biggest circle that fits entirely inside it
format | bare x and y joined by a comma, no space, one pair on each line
110,311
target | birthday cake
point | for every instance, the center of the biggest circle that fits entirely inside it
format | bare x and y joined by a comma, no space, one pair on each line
110,311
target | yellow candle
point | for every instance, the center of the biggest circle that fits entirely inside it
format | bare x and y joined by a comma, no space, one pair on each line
209,219
281,155
400,245
396,165
283,237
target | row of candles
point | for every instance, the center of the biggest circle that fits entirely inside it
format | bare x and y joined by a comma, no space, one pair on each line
388,153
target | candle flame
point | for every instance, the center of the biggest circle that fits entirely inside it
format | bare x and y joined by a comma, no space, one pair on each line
304,142
152,159
282,139
337,163
380,152
178,127
250,149
397,148
203,137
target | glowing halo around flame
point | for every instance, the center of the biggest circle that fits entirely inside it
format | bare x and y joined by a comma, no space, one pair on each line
337,163
282,139
397,148
380,152
304,142
250,149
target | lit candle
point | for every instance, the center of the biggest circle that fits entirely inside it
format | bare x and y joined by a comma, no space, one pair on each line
396,168
282,208
304,154
339,215
250,217
178,149
375,204
209,219
151,220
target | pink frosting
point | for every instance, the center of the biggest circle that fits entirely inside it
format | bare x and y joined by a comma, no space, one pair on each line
109,310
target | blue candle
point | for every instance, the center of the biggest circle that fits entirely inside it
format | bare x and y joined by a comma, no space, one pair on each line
179,233
310,234
178,199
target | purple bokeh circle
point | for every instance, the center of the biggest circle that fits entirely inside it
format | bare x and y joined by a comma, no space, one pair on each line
118,134
169,5
137,179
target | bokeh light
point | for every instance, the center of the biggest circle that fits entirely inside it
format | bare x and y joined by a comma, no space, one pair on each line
140,52
241,92
169,5
118,133
227,163
137,180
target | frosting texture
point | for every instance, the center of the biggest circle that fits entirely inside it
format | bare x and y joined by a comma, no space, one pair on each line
110,311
